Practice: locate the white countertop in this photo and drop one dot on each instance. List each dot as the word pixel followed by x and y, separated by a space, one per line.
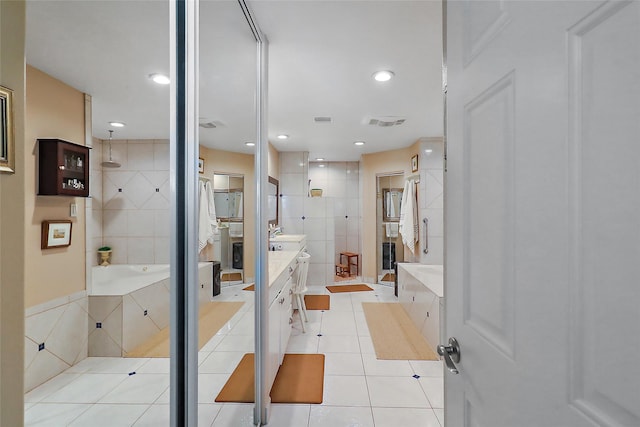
pixel 430 275
pixel 288 238
pixel 278 262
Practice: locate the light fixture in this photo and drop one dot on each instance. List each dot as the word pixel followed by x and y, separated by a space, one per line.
pixel 320 159
pixel 282 136
pixel 383 75
pixel 117 124
pixel 428 151
pixel 359 143
pixel 321 165
pixel 161 79
pixel 250 144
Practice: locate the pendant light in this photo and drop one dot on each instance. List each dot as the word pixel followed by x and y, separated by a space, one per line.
pixel 110 163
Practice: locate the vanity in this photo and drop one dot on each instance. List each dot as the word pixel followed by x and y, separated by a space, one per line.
pixel 420 291
pixel 288 242
pixel 282 277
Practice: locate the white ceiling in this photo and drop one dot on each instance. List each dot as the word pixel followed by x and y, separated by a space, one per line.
pixel 322 55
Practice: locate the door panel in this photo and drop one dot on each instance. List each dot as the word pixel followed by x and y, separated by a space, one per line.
pixel 543 213
pixel 605 195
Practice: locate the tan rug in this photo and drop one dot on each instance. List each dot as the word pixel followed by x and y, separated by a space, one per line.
pixel 394 335
pixel 212 317
pixel 230 277
pixel 251 287
pixel 300 379
pixel 317 302
pixel 349 288
pixel 389 277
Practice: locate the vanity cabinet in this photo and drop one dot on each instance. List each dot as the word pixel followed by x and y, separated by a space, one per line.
pixel 281 314
pixel 63 168
pixel 420 294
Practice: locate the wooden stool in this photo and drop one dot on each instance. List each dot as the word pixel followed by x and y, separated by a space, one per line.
pixel 342 270
pixel 350 263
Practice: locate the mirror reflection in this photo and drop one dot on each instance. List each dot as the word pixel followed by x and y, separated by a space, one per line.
pixel 392 201
pixel 272 200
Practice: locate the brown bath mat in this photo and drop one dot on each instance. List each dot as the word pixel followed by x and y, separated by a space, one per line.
pixel 349 288
pixel 300 379
pixel 251 287
pixel 394 335
pixel 231 277
pixel 389 277
pixel 317 302
pixel 212 317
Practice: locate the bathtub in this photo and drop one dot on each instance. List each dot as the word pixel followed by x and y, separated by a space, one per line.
pixel 129 304
pixel 122 279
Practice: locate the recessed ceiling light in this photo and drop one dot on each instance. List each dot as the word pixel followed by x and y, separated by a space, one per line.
pixel 428 151
pixel 321 166
pixel 282 136
pixel 383 76
pixel 160 78
pixel 320 159
pixel 117 124
pixel 250 144
pixel 359 143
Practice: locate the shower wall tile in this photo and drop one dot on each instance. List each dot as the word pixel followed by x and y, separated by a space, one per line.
pixel 431 198
pixel 135 202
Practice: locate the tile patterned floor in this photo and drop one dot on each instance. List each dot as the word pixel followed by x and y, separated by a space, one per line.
pixel 359 389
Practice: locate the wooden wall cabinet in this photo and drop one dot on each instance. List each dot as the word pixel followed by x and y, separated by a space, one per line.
pixel 63 168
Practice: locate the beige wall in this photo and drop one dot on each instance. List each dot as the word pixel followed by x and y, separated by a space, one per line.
pixel 274 162
pixel 12 214
pixel 53 110
pixel 371 165
pixel 217 161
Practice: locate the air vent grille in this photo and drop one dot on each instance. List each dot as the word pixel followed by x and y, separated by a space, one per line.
pixel 322 119
pixel 210 124
pixel 386 122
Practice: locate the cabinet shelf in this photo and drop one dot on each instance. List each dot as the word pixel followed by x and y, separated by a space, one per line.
pixel 63 168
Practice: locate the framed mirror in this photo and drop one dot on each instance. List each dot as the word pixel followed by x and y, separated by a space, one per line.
pixel 391 204
pixel 273 200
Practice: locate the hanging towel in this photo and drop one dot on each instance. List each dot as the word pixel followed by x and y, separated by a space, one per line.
pixel 392 229
pixel 211 210
pixel 409 216
pixel 204 223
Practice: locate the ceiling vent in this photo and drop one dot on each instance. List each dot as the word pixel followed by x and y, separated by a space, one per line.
pixel 386 121
pixel 322 119
pixel 210 124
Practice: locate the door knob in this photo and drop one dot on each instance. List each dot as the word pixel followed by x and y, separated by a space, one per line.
pixel 451 354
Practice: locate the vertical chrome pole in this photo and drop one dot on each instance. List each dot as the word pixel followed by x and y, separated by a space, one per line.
pixel 184 208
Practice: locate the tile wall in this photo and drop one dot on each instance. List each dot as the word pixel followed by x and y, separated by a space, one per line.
pixel 135 202
pixel 340 181
pixel 55 337
pixel 331 222
pixel 431 199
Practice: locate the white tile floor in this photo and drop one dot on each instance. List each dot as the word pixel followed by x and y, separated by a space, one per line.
pixel 359 390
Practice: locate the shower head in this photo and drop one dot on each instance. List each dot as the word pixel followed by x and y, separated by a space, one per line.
pixel 110 163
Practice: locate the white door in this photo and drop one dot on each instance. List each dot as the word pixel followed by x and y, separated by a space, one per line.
pixel 543 213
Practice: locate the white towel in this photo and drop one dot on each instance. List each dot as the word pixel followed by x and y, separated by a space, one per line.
pixel 204 223
pixel 211 211
pixel 392 229
pixel 409 216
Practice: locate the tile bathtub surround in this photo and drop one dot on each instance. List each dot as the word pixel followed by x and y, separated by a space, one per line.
pixel 135 202
pixel 117 324
pixel 359 389
pixel 55 338
pixel 431 199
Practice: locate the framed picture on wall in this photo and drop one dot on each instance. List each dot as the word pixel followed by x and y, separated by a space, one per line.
pixel 200 165
pixel 55 234
pixel 7 159
pixel 414 163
